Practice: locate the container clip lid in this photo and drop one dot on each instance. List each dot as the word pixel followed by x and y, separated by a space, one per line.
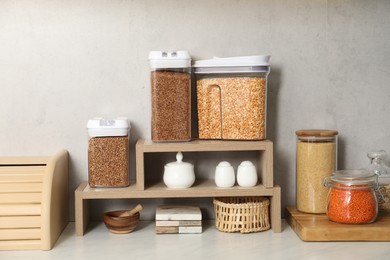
pixel 99 127
pixel 243 64
pixel 173 59
pixel 257 60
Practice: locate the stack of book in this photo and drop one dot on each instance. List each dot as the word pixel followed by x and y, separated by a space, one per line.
pixel 178 220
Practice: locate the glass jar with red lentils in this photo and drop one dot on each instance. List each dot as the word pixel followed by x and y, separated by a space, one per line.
pixel 352 196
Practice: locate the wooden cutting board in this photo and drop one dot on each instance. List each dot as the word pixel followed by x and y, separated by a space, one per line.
pixel 317 227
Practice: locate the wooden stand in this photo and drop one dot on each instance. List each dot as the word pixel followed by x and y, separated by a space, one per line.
pixel 201 188
pixel 33 201
pixel 317 227
pixel 264 148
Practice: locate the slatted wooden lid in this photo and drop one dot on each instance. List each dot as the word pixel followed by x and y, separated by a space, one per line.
pixel 317 132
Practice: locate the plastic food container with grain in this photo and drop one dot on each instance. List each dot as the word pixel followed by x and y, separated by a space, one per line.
pixel 232 97
pixel 170 80
pixel 108 152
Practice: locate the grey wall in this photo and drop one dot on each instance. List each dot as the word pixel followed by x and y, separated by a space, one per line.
pixel 63 62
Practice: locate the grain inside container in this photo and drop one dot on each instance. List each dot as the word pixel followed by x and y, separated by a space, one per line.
pixel 232 97
pixel 171 96
pixel 316 158
pixel 108 152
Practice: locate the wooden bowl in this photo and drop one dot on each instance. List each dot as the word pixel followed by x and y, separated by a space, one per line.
pixel 120 224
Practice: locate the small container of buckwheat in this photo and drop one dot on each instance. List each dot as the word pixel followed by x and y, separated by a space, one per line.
pixel 108 152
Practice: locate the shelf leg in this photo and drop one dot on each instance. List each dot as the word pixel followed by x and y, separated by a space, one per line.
pixel 139 163
pixel 276 211
pixel 81 210
pixel 266 160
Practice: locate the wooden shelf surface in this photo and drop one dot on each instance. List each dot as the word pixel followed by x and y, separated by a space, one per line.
pixel 202 188
pixel 149 146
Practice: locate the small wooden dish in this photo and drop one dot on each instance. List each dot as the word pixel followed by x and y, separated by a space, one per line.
pixel 120 224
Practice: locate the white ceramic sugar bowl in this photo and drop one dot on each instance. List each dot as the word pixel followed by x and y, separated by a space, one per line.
pixel 179 174
pixel 247 174
pixel 224 175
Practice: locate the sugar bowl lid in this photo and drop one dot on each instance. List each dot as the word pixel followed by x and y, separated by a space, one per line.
pixel 179 162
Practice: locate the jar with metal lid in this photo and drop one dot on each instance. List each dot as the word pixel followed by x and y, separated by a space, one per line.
pixel 352 196
pixel 171 95
pixel 316 158
pixel 108 152
pixel 378 167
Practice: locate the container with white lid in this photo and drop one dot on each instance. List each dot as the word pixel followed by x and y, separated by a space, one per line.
pixel 171 95
pixel 231 95
pixel 108 152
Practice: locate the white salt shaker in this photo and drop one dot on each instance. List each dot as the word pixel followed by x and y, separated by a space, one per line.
pixel 224 175
pixel 246 174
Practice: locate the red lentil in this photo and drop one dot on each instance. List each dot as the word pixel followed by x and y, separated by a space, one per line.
pixel 352 204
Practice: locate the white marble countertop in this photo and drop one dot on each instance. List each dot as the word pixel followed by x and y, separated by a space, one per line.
pixel 143 243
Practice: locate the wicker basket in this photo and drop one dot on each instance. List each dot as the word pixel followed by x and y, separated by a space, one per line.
pixel 241 214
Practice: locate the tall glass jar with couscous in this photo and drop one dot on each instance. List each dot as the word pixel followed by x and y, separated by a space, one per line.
pixel 316 158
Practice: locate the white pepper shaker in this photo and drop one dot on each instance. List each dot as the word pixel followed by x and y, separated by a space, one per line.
pixel 224 175
pixel 247 174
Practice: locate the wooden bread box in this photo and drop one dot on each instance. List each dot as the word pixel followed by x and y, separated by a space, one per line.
pixel 34 207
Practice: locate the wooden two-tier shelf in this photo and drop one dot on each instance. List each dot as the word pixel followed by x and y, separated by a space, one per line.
pixel 142 188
